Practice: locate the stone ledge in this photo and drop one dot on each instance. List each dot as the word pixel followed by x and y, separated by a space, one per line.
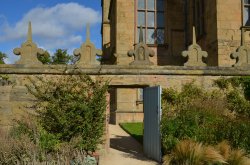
pixel 127 111
pixel 124 70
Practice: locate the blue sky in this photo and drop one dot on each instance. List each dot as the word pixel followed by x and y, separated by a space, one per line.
pixel 55 24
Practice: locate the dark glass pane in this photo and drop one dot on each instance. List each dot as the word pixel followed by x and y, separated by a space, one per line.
pixel 150 36
pixel 160 20
pixel 138 33
pixel 151 19
pixel 151 4
pixel 141 18
pixel 160 5
pixel 160 36
pixel 246 19
pixel 247 1
pixel 141 4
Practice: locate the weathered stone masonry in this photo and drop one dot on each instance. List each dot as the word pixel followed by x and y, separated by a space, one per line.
pixel 130 65
pixel 14 98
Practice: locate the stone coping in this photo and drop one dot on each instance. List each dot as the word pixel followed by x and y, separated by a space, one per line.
pixel 124 70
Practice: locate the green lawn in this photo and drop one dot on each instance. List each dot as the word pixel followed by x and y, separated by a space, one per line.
pixel 134 129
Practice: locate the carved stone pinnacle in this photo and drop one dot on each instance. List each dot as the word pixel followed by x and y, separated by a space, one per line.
pixel 194 53
pixel 242 54
pixel 87 51
pixel 28 51
pixel 141 52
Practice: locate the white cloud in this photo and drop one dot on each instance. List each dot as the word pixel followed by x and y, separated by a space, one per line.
pixel 55 25
pixel 11 57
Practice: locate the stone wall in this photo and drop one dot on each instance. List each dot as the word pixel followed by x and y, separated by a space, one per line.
pixel 229 17
pixel 124 30
pixel 124 82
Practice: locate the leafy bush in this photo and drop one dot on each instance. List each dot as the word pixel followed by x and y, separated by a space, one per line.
pixel 205 116
pixel 71 107
pixel 67 126
pixel 237 91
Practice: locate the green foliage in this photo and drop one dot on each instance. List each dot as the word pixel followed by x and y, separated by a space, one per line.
pixel 68 125
pixel 4 77
pixel 45 58
pixel 6 80
pixel 30 128
pixel 19 148
pixel 222 83
pixel 2 57
pixel 238 103
pixel 235 83
pixel 170 95
pixel 61 57
pixel 134 129
pixel 47 141
pixel 237 92
pixel 205 116
pixel 71 107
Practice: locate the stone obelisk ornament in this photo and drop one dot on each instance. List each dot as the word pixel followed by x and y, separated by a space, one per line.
pixel 242 54
pixel 28 51
pixel 141 53
pixel 87 52
pixel 194 53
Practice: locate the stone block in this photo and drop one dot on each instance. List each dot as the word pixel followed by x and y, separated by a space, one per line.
pixel 20 93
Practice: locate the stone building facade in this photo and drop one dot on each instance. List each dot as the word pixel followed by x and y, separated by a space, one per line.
pixel 218 25
pixel 158 49
pixel 145 43
pixel 221 27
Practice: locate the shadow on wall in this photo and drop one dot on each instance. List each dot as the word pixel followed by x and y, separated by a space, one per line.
pixel 166 57
pixel 108 54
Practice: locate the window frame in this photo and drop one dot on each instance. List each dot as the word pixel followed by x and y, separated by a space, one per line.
pixel 145 28
pixel 139 93
pixel 243 5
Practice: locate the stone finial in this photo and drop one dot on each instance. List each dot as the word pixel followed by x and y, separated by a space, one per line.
pixel 141 52
pixel 194 53
pixel 29 51
pixel 87 52
pixel 242 54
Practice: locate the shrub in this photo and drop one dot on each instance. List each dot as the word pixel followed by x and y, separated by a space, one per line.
pixel 205 116
pixel 71 107
pixel 237 91
pixel 67 126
